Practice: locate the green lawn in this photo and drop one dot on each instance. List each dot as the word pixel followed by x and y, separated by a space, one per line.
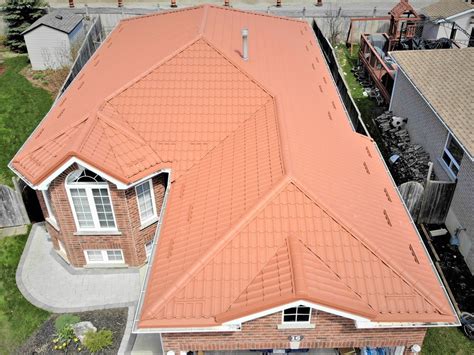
pixel 443 341
pixel 18 317
pixel 22 106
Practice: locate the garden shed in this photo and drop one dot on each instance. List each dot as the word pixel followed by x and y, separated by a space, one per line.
pixel 51 39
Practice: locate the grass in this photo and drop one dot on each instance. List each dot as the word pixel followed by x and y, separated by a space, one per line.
pixel 18 318
pixel 22 106
pixel 367 107
pixel 442 341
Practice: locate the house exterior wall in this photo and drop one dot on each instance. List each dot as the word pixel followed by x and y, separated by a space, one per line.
pixel 132 237
pixel 434 31
pixel 48 48
pixel 427 130
pixel 330 331
pixel 423 125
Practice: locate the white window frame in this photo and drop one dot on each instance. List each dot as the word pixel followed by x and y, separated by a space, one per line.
pixel 88 187
pixel 450 156
pixel 296 316
pixel 147 246
pixel 152 193
pixel 105 258
pixel 51 217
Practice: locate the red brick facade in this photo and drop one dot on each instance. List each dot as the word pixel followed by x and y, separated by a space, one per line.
pixel 330 331
pixel 132 238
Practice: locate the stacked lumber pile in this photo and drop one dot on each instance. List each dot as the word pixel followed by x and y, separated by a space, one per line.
pixel 408 160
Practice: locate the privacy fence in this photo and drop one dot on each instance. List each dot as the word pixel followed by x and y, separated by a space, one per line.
pixel 13 216
pixel 351 108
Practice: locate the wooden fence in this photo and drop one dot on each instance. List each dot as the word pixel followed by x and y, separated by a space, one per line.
pixel 13 216
pixel 350 106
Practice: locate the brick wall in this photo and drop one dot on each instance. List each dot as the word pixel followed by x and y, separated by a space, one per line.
pixel 132 238
pixel 330 332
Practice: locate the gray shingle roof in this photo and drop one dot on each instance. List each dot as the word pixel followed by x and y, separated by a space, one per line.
pixel 446 8
pixel 446 80
pixel 61 20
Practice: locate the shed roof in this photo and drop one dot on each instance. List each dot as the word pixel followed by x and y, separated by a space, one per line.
pixel 445 78
pixel 61 20
pixel 446 8
pixel 274 197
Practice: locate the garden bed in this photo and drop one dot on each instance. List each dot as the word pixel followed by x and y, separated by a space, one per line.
pixel 41 342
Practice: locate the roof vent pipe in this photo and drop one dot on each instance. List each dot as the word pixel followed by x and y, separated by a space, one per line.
pixel 245 44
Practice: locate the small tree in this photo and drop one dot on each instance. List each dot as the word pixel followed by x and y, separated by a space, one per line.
pixel 19 15
pixel 333 23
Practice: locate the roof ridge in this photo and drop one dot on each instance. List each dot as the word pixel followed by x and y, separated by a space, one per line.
pixel 297 269
pixel 256 13
pixel 221 243
pixel 117 159
pixel 312 252
pixel 162 12
pixel 418 287
pixel 140 76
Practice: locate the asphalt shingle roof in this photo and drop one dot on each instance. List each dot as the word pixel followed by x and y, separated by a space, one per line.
pixel 446 8
pixel 446 80
pixel 61 20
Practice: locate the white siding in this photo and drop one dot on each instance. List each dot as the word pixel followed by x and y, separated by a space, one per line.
pixel 47 48
pixel 432 31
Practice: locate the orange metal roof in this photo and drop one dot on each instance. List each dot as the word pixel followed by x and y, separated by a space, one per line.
pixel 274 197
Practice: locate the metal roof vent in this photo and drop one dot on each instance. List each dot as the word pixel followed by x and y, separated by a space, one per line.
pixel 245 44
pixel 59 17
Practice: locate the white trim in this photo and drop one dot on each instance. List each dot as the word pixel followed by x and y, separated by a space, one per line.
pixel 88 187
pixel 148 249
pixel 295 304
pixel 51 217
pixel 105 257
pixel 373 325
pixel 432 108
pixel 451 157
pixel 148 221
pixel 465 12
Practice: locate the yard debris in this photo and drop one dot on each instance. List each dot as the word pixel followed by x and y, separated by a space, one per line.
pixel 410 161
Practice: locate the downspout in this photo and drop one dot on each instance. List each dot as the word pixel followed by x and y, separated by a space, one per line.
pixel 152 258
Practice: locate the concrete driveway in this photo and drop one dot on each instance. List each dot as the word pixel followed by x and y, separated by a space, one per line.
pixel 49 283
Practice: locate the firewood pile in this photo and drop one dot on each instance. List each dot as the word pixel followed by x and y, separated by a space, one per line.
pixel 408 161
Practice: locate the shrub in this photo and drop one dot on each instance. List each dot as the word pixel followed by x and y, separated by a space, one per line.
pixel 65 320
pixel 98 341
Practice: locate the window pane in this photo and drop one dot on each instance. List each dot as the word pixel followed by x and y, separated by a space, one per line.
pixel 304 310
pixel 289 318
pixel 145 201
pixel 290 310
pixel 82 208
pixel 94 255
pixel 455 149
pixel 114 255
pixel 302 318
pixel 103 207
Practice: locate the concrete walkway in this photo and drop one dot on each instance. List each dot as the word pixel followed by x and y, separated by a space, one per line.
pixel 49 283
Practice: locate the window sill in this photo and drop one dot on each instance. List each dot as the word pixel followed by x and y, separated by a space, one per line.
pixel 62 255
pixel 296 326
pixel 149 223
pixel 106 266
pixel 52 223
pixel 98 232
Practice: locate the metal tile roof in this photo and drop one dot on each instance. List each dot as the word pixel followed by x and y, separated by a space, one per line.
pixel 446 80
pixel 270 185
pixel 61 20
pixel 446 8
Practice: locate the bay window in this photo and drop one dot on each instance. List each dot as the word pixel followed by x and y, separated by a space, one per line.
pixel 146 202
pixel 90 201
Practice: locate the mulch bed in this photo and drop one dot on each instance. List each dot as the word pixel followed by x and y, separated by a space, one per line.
pixel 112 319
pixel 458 275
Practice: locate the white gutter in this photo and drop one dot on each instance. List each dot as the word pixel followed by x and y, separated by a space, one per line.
pixel 135 329
pixel 432 108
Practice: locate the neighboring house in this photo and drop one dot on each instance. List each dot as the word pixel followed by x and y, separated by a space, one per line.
pixel 51 39
pixel 270 223
pixel 452 19
pixel 433 89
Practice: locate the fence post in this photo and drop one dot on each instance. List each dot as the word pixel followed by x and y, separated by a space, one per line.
pixel 226 3
pixel 319 3
pixel 278 3
pixel 173 3
pixel 119 3
pixel 71 4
